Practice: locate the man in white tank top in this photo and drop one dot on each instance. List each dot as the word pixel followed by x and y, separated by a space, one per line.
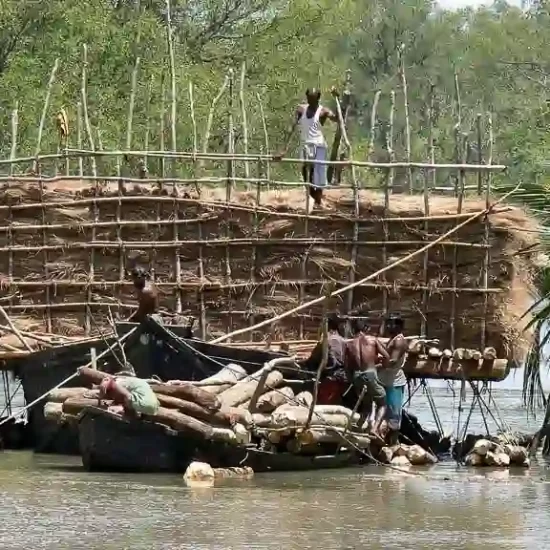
pixel 311 118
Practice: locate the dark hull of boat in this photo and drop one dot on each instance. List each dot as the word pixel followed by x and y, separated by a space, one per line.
pixel 111 443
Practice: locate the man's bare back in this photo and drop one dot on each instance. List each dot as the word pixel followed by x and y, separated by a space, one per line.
pixel 146 294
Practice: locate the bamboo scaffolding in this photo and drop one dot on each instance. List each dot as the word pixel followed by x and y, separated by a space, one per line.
pixel 76 153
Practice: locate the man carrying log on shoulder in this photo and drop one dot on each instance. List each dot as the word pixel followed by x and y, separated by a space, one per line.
pixel 362 361
pixel 146 293
pixel 311 117
pixel 392 375
pixel 334 379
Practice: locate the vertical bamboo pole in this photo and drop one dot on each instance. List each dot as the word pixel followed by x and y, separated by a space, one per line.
pixel 460 197
pixel 173 103
pixel 161 168
pixel 388 189
pixel 193 119
pixel 403 76
pixel 67 146
pixel 84 97
pixel 229 184
pixel 38 170
pixel 266 139
pixel 148 125
pixel 90 137
pixel 487 258
pixel 430 148
pixel 479 154
pixel 13 156
pixel 244 122
pixel 79 138
pixel 254 263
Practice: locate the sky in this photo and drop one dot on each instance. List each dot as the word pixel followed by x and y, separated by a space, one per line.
pixel 455 4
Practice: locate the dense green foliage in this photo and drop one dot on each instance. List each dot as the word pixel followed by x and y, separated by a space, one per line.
pixel 498 54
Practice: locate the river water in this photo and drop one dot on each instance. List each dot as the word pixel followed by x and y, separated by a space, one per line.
pixel 48 502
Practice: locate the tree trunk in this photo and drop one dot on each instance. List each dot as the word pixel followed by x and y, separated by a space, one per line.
pixel 275 398
pixel 75 405
pixel 62 394
pixel 223 380
pixel 188 392
pixel 181 422
pixel 298 416
pixel 244 390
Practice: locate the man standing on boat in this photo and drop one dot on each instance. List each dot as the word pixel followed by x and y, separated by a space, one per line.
pixel 311 117
pixel 362 361
pixel 334 380
pixel 392 375
pixel 146 293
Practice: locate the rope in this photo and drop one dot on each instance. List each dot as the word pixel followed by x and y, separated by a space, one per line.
pixel 68 379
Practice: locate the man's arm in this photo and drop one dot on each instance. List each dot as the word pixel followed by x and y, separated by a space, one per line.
pixel 327 113
pixel 313 361
pixel 381 350
pixel 397 349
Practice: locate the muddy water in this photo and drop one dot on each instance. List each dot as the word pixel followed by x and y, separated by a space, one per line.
pixel 50 503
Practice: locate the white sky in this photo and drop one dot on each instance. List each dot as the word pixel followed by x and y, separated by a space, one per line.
pixel 450 4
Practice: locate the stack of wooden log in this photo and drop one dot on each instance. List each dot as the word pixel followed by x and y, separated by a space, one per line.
pixel 233 407
pixel 497 454
pixel 406 455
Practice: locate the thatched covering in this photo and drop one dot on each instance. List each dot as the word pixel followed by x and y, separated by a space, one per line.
pixel 279 257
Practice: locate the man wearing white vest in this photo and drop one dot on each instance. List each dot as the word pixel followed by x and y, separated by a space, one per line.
pixel 311 118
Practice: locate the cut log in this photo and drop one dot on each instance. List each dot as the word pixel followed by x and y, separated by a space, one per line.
pixel 199 474
pixel 269 401
pixel 385 455
pixel 261 420
pixel 223 380
pixel 234 473
pixel 434 353
pixel 400 461
pixel 415 347
pixel 61 394
pixel 517 454
pixel 53 411
pixel 226 435
pixel 489 354
pixel 188 392
pixel 474 459
pixel 91 376
pixel 76 405
pixel 419 457
pixel 313 436
pixel 483 446
pixel 222 417
pixel 182 422
pixel 242 434
pixel 336 409
pixel 244 390
pixel 304 398
pixel 289 417
pixel 498 459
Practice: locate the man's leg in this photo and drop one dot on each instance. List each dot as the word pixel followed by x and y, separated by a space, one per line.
pixel 394 399
pixel 379 397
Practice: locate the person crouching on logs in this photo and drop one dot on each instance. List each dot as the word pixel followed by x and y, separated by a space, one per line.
pixel 134 394
pixel 362 361
pixel 146 293
pixel 334 379
pixel 392 375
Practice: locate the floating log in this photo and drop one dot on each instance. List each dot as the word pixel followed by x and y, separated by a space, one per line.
pixel 244 390
pixel 496 371
pixel 518 455
pixel 418 456
pixel 400 462
pixel 474 459
pixel 499 459
pixel 181 422
pixel 223 380
pixel 199 474
pixel 235 472
pixel 269 401
pixel 385 455
pixel 188 392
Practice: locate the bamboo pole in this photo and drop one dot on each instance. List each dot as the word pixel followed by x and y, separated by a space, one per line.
pixel 479 153
pixel 210 119
pixel 79 139
pixel 388 189
pixel 13 153
pixel 150 89
pixel 173 91
pixel 84 99
pixel 75 153
pixel 193 119
pixel 244 119
pixel 45 112
pixel 487 257
pixel 14 329
pixel 266 137
pixel 403 77
pixel 228 188
pixel 424 319
pixel 320 299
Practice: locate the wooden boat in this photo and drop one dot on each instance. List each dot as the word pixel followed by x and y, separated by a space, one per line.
pixel 109 442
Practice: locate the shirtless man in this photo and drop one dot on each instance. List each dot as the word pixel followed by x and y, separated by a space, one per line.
pixel 146 293
pixel 311 117
pixel 361 359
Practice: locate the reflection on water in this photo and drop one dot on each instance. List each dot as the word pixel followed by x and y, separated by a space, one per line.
pixel 49 502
